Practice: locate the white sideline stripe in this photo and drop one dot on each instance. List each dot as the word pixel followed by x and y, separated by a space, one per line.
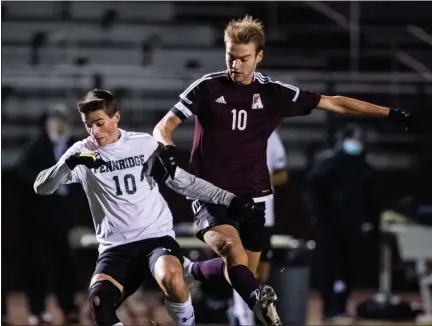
pixel 277 241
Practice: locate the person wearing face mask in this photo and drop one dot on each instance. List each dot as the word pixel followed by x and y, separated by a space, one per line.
pixel 338 188
pixel 46 248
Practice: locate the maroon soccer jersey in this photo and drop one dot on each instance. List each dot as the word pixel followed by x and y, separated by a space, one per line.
pixel 232 125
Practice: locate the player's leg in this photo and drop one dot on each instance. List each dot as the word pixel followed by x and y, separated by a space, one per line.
pixel 225 241
pixel 165 263
pixel 221 235
pixel 255 238
pixel 104 295
pixel 254 258
pixel 107 285
pixel 244 315
pixel 263 271
pixel 261 264
pixel 264 264
pixel 218 231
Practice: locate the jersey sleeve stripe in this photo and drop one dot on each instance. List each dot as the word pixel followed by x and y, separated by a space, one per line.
pixel 183 95
pixel 178 113
pixel 183 109
pixel 294 88
pixel 264 80
pixel 184 98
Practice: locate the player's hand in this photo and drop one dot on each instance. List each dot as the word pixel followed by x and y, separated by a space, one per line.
pixel 416 119
pixel 168 158
pixel 242 207
pixel 161 165
pixel 155 169
pixel 92 161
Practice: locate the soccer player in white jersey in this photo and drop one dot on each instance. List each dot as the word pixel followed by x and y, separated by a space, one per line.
pixel 277 166
pixel 133 223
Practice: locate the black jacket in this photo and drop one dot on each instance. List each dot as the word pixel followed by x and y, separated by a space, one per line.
pixel 339 187
pixel 38 155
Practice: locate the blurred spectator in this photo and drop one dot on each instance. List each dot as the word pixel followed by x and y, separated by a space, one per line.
pixel 338 187
pixel 38 40
pixel 108 18
pixel 47 221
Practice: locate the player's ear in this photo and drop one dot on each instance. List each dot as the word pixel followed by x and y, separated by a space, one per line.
pixel 116 116
pixel 259 56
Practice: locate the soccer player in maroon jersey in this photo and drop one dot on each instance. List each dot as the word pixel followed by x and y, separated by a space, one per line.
pixel 235 112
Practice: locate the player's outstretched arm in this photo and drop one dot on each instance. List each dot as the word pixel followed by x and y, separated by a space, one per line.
pixel 163 169
pixel 49 180
pixel 347 105
pixel 188 185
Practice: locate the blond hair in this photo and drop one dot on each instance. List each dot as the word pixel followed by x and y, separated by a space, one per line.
pixel 245 30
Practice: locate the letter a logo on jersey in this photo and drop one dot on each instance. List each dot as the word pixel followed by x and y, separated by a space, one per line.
pixel 256 102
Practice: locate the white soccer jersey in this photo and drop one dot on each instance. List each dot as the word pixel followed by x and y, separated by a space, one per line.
pixel 124 209
pixel 276 160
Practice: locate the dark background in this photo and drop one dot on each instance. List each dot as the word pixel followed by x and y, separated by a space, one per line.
pixel 374 51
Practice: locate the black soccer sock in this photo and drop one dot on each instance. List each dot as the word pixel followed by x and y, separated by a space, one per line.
pixel 208 269
pixel 244 282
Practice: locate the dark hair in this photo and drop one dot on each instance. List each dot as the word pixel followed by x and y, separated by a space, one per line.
pixel 351 130
pixel 98 99
pixel 59 111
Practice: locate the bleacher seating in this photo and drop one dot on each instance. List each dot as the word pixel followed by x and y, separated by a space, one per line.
pixel 89 10
pixel 148 52
pixel 69 31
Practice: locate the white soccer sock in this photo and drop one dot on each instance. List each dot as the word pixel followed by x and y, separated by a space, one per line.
pixel 189 269
pixel 245 316
pixel 182 314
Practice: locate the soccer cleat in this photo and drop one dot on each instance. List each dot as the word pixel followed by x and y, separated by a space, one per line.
pixel 187 270
pixel 265 307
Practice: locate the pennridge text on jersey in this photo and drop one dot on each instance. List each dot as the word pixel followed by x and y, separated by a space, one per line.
pixel 122 164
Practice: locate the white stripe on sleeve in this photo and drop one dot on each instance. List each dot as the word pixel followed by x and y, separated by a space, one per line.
pixel 183 109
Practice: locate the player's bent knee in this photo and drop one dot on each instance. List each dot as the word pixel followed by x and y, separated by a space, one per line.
pixel 231 248
pixel 226 247
pixel 168 271
pixel 103 299
pixel 233 252
pixel 172 279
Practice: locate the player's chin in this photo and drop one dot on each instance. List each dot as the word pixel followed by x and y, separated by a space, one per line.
pixel 101 141
pixel 238 78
